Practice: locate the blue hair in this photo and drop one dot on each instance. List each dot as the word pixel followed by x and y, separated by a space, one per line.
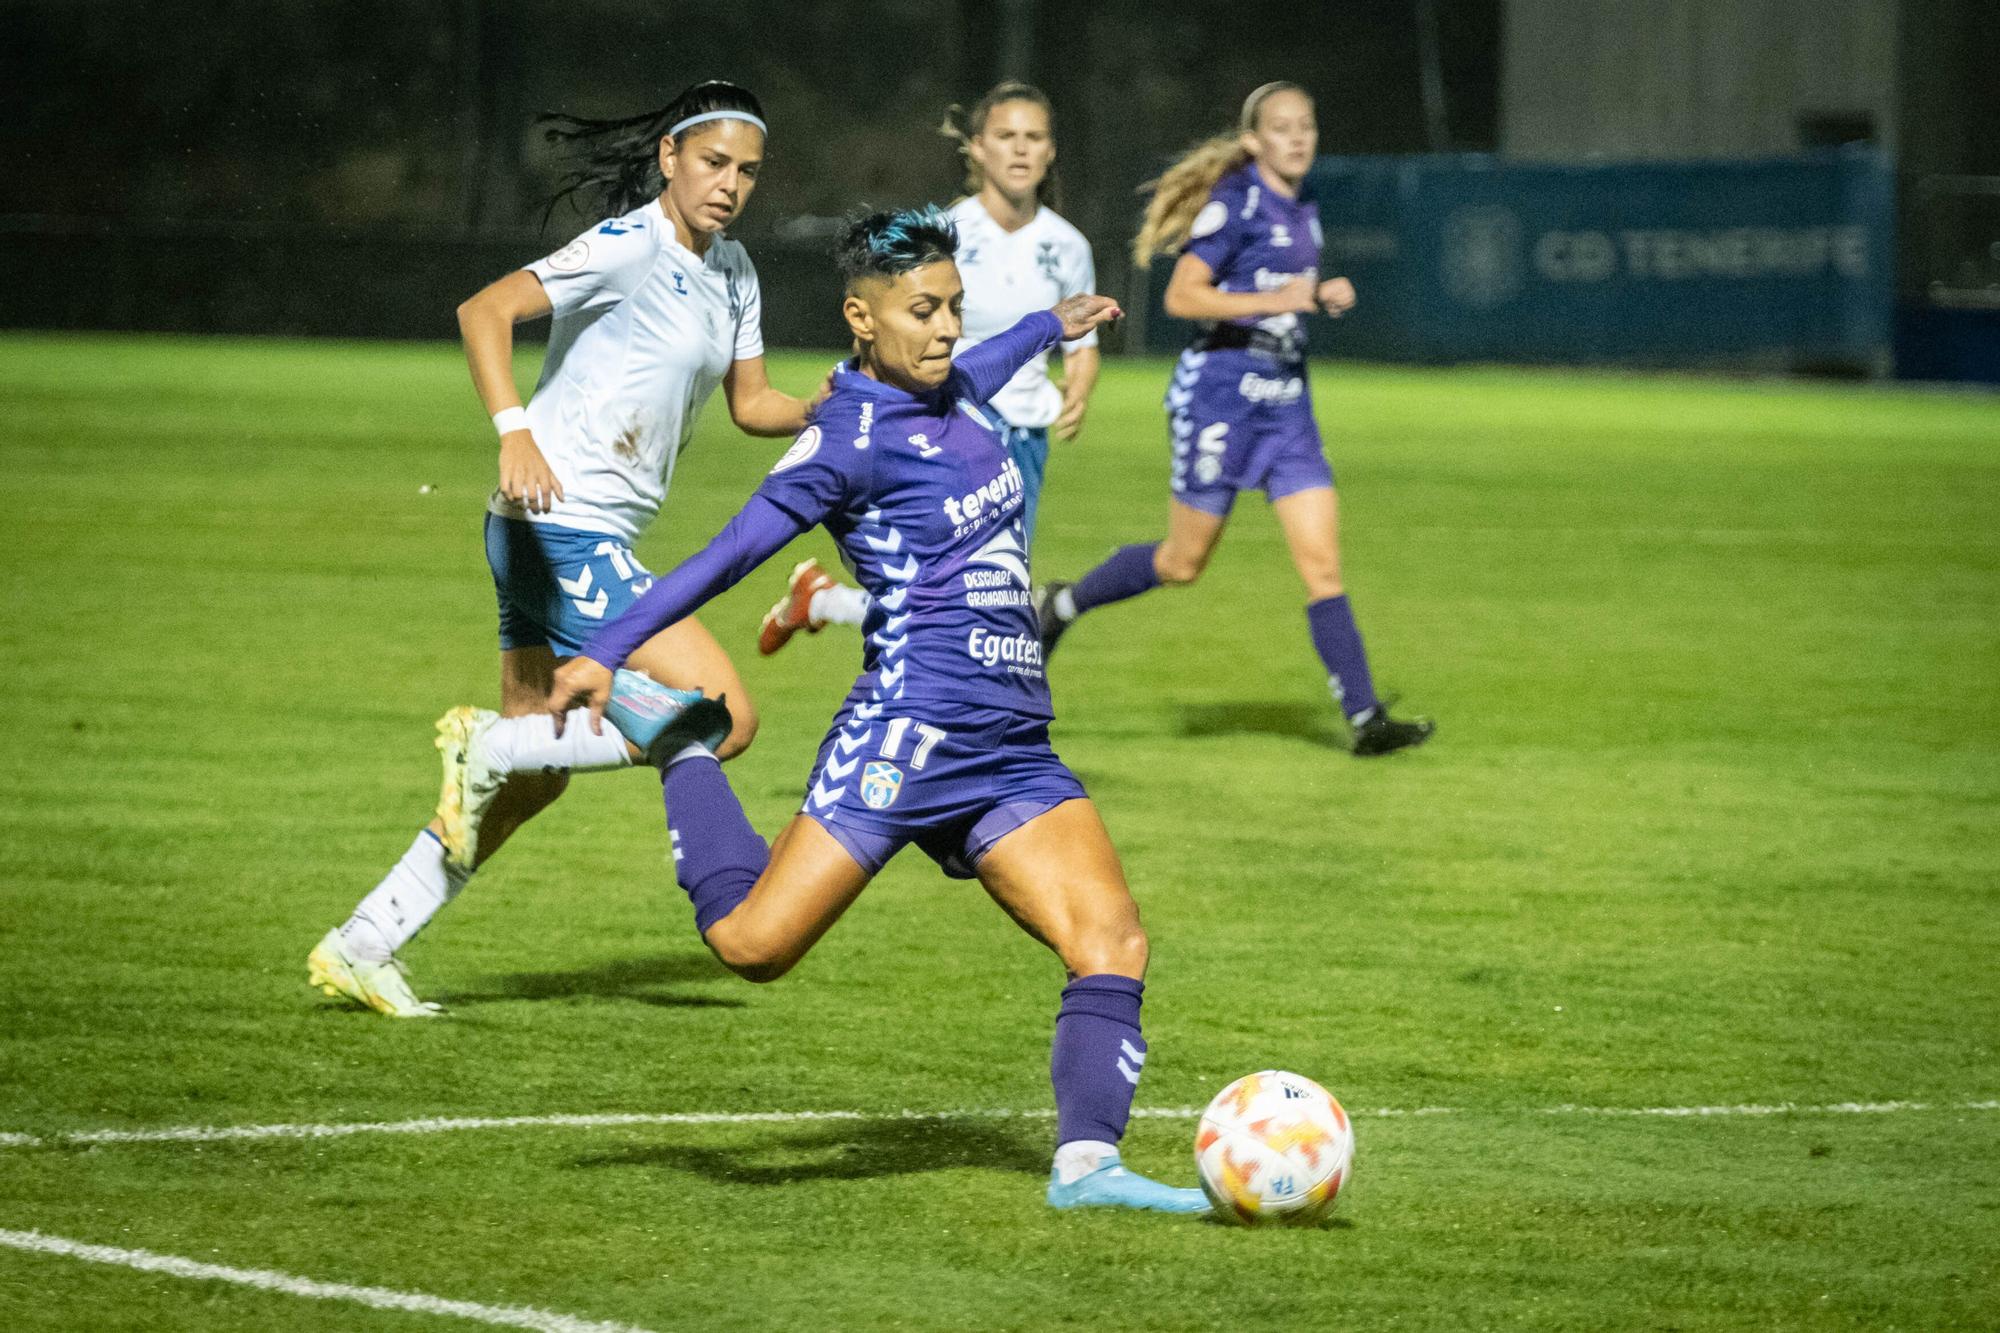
pixel 886 244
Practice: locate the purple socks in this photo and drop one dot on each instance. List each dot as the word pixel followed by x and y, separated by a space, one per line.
pixel 1338 642
pixel 1126 573
pixel 1097 1057
pixel 717 855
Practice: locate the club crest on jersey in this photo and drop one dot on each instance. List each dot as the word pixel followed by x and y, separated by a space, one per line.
pixel 1045 260
pixel 924 445
pixel 1281 235
pixel 680 282
pixel 1003 578
pixel 804 447
pixel 1005 553
pixel 880 785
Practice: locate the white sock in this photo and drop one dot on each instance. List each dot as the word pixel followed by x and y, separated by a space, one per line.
pixel 1079 1157
pixel 529 744
pixel 408 896
pixel 1065 606
pixel 696 750
pixel 840 605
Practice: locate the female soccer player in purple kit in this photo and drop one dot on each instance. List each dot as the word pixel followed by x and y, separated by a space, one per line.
pixel 944 740
pixel 1239 408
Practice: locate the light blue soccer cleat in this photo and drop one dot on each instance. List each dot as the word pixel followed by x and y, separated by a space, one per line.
pixel 661 721
pixel 1112 1186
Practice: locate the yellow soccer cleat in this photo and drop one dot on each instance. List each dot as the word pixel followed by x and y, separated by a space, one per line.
pixel 470 781
pixel 383 987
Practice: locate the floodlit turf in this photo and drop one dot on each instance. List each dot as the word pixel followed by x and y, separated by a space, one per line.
pixel 1713 819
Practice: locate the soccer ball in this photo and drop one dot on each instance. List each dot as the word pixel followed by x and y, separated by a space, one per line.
pixel 1273 1147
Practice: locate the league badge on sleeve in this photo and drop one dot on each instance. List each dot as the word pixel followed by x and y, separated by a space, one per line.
pixel 804 447
pixel 880 784
pixel 1209 221
pixel 570 258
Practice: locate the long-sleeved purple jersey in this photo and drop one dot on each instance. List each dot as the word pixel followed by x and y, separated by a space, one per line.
pixel 922 497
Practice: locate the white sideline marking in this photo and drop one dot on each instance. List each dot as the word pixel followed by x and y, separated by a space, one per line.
pixel 1780 1108
pixel 452 1124
pixel 382 1298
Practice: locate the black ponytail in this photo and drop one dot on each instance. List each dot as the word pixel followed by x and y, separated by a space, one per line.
pixel 618 161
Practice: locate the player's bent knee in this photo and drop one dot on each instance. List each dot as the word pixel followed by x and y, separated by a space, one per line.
pixel 742 730
pixel 1121 952
pixel 1320 586
pixel 753 957
pixel 1179 570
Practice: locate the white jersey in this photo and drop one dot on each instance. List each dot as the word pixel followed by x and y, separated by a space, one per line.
pixel 644 330
pixel 1009 274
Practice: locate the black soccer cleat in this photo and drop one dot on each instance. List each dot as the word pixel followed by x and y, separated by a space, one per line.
pixel 1053 626
pixel 1382 734
pixel 707 722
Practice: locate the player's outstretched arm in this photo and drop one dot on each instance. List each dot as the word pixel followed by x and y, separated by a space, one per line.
pixel 985 370
pixel 1084 312
pixel 757 533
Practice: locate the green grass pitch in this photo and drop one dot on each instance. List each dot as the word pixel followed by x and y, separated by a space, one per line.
pixel 1712 820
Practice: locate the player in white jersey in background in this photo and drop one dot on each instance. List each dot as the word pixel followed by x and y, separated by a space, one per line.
pixel 1016 255
pixel 653 308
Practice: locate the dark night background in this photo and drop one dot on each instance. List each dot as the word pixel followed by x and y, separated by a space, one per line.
pixel 356 168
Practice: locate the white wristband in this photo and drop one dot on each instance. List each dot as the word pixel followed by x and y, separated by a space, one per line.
pixel 510 419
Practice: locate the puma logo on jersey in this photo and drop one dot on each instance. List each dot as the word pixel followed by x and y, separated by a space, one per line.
pixel 924 445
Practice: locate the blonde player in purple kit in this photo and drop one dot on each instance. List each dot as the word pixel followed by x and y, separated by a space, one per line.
pixel 944 740
pixel 1239 407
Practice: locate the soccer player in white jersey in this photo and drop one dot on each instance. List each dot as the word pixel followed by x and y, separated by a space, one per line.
pixel 1016 255
pixel 653 308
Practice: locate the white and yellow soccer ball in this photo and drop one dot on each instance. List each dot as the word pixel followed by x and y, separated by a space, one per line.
pixel 1274 1147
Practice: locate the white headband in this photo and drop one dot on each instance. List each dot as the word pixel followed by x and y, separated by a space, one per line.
pixel 707 116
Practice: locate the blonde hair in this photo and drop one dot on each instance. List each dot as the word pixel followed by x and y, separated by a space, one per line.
pixel 962 127
pixel 1179 192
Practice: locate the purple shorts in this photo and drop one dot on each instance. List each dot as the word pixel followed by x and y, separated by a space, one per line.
pixel 954 780
pixel 1242 421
